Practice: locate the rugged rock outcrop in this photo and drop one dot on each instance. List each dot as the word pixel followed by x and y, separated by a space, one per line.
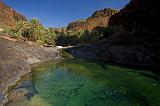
pixel 99 18
pixel 16 59
pixel 140 19
pixel 9 16
pixel 138 45
pixel 139 15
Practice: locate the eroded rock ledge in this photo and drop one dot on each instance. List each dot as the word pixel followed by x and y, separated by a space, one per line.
pixel 16 59
pixel 124 49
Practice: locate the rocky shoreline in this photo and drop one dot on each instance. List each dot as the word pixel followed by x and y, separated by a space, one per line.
pixel 114 51
pixel 16 59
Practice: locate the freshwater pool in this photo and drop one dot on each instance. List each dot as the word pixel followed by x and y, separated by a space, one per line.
pixel 78 82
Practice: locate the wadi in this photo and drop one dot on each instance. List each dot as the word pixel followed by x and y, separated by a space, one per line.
pixel 109 58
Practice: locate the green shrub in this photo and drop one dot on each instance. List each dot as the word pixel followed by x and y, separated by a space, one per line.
pixel 48 37
pixel 34 31
pixel 14 33
pixel 79 37
pixel 68 38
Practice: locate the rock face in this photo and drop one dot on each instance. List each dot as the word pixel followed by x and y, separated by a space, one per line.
pixel 99 18
pixel 139 15
pixel 9 16
pixel 138 45
pixel 16 59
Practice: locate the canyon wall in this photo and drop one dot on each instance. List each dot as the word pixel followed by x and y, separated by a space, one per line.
pixel 139 15
pixel 98 18
pixel 9 16
pixel 139 44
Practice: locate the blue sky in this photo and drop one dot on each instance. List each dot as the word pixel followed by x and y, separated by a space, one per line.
pixel 59 13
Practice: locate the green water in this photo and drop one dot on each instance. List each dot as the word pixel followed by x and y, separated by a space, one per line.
pixel 77 82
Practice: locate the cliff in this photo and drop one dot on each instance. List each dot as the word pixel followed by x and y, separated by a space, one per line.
pixel 141 39
pixel 139 15
pixel 98 18
pixel 138 45
pixel 9 16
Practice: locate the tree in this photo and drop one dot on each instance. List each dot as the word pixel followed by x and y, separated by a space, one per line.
pixel 36 29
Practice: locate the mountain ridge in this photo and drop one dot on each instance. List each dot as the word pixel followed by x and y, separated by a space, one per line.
pixel 98 18
pixel 10 16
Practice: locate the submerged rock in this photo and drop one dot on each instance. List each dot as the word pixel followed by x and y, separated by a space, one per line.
pixel 2 97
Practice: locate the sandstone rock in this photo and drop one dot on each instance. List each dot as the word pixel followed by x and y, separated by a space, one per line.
pixel 99 18
pixel 9 16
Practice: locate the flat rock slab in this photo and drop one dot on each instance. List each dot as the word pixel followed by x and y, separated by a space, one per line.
pixel 16 59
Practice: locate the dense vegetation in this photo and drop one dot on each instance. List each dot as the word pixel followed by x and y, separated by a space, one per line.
pixel 77 37
pixel 34 31
pixel 4 28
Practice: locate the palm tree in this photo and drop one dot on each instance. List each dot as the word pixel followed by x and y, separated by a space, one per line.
pixel 36 29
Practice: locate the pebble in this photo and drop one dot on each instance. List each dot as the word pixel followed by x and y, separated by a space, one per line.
pixel 2 97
